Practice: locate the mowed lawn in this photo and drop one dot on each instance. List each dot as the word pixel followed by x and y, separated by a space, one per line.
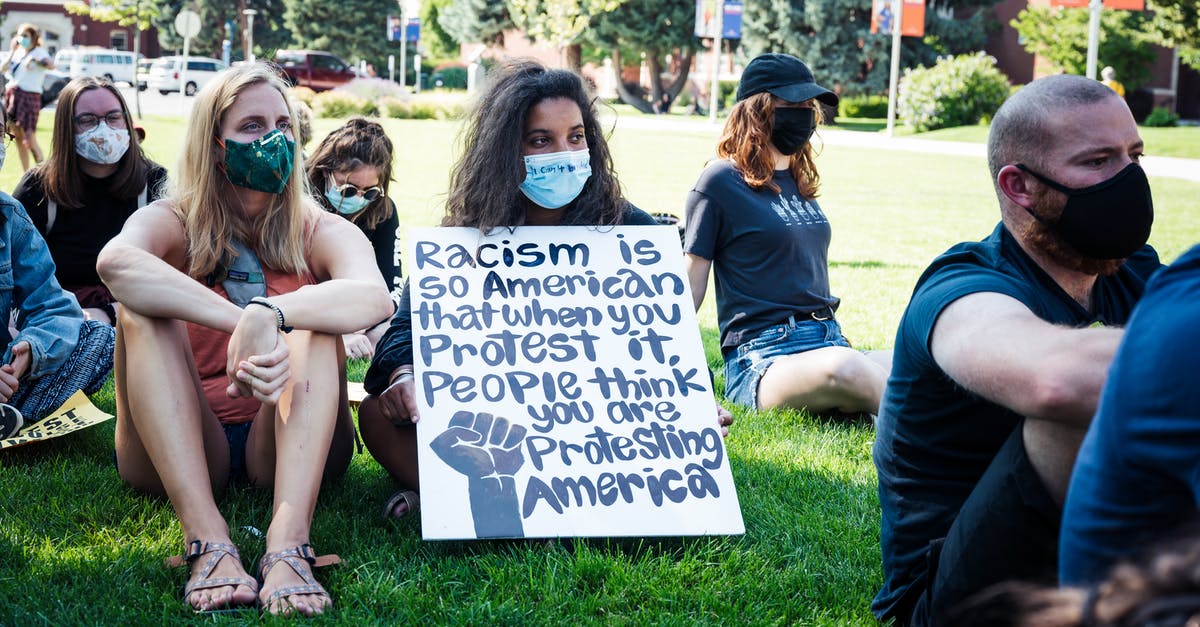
pixel 77 547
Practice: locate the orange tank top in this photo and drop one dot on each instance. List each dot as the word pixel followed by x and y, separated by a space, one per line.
pixel 210 346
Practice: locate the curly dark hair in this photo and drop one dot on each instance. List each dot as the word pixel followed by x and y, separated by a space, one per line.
pixel 484 185
pixel 358 142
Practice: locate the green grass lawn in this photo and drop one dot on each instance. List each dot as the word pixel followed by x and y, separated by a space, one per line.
pixel 1182 141
pixel 77 547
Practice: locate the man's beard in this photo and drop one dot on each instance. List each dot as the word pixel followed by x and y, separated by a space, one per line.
pixel 1043 239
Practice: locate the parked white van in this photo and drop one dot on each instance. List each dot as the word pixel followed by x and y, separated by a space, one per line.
pixel 164 74
pixel 115 65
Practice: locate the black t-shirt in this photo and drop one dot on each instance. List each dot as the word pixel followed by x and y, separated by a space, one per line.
pixel 78 234
pixel 769 250
pixel 934 439
pixel 395 347
pixel 383 242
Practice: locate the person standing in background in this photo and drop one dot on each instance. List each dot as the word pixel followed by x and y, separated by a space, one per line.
pixel 25 68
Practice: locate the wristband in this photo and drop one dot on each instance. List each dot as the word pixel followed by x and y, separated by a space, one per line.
pixel 406 369
pixel 279 321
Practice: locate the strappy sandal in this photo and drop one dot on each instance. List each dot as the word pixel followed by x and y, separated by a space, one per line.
pixel 216 552
pixel 408 497
pixel 292 557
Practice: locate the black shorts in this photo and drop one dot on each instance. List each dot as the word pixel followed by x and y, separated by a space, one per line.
pixel 1006 530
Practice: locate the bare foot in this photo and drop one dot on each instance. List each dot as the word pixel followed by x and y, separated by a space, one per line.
pixel 288 585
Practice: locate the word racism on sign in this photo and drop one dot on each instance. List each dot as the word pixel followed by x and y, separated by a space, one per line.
pixel 75 414
pixel 562 387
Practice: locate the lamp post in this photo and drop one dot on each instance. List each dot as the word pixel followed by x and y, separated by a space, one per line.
pixel 250 13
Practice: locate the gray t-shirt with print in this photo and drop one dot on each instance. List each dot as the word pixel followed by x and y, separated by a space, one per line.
pixel 769 250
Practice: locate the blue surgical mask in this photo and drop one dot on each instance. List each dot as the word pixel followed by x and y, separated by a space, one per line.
pixel 345 206
pixel 26 42
pixel 553 180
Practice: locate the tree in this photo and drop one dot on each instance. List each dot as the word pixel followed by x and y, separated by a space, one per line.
pixel 351 29
pixel 560 23
pixel 1060 35
pixel 470 21
pixel 222 19
pixel 831 36
pixel 1176 23
pixel 437 42
pixel 654 28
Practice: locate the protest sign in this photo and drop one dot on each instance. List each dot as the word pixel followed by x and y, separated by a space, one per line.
pixel 75 414
pixel 562 387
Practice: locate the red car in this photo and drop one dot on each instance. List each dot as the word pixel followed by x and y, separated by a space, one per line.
pixel 314 69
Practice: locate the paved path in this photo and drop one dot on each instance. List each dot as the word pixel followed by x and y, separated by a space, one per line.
pixel 1172 167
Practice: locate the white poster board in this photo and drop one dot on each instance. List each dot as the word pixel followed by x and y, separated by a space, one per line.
pixel 562 387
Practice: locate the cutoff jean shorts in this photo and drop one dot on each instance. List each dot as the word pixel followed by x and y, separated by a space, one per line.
pixel 745 365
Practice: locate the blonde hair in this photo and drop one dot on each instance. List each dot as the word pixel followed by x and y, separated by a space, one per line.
pixel 205 202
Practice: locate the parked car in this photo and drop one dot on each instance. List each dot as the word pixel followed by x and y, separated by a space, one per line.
pixel 164 74
pixel 114 65
pixel 52 83
pixel 143 72
pixel 314 69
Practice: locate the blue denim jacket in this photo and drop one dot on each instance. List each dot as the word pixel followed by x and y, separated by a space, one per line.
pixel 48 316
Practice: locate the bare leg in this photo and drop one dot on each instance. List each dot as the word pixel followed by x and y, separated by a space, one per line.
pixel 287 447
pixel 1052 448
pixel 22 146
pixel 34 148
pixel 395 448
pixel 169 442
pixel 830 378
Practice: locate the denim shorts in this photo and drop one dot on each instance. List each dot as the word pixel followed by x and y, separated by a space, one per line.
pixel 236 435
pixel 745 366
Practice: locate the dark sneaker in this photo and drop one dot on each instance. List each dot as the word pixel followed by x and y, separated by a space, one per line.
pixel 11 421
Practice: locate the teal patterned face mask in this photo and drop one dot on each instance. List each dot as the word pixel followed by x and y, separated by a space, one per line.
pixel 264 164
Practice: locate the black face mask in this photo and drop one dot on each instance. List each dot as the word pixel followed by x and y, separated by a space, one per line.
pixel 793 127
pixel 1108 220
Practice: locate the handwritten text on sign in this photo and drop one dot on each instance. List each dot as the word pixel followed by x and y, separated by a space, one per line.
pixel 562 387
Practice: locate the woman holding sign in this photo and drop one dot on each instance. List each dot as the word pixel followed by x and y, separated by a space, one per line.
pixel 534 155
pixel 753 218
pixel 235 290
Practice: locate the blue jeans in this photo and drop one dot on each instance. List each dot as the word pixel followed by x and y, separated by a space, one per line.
pixel 744 367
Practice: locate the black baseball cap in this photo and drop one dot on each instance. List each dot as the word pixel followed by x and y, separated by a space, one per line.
pixel 782 75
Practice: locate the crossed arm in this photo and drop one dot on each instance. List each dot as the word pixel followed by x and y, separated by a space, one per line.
pixel 996 347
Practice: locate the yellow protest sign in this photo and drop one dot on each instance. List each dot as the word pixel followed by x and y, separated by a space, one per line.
pixel 75 414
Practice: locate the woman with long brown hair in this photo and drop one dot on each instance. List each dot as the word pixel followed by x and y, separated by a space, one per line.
pixel 753 218
pixel 95 178
pixel 235 290
pixel 349 173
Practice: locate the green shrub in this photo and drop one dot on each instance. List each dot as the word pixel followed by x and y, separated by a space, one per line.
pixel 303 94
pixel 863 106
pixel 394 108
pixel 373 88
pixel 452 77
pixel 728 93
pixel 956 91
pixel 338 104
pixel 435 106
pixel 1160 116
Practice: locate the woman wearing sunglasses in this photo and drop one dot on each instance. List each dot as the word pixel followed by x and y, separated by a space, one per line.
pixel 95 178
pixel 349 174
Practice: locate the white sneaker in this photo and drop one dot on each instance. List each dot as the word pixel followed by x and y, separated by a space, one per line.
pixel 11 421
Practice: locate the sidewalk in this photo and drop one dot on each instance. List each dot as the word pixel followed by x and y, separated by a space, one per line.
pixel 1170 167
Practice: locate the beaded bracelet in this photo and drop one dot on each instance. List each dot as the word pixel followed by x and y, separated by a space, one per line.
pixel 279 321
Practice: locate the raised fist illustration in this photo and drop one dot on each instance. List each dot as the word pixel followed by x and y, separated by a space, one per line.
pixel 487 449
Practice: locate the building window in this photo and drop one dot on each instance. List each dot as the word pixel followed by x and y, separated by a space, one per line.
pixel 118 40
